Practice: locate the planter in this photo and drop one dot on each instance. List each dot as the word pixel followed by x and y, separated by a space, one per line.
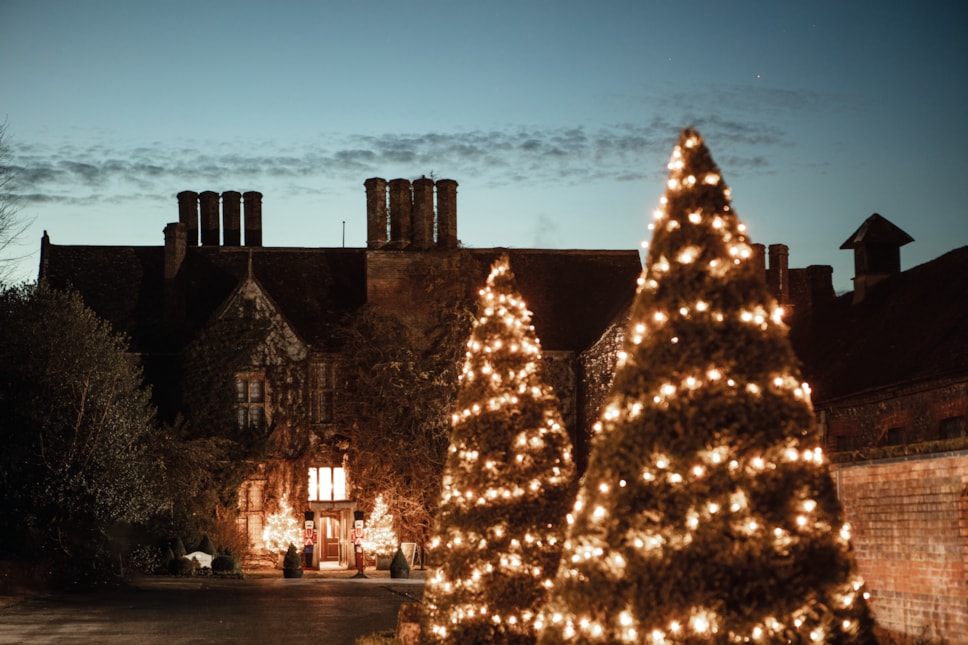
pixel 292 573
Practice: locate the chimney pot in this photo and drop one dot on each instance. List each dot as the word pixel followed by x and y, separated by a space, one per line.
pixel 188 215
pixel 209 204
pixel 253 218
pixel 447 214
pixel 777 277
pixel 231 218
pixel 401 213
pixel 423 213
pixel 376 212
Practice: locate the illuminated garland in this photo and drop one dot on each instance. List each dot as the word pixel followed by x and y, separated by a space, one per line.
pixel 506 484
pixel 707 512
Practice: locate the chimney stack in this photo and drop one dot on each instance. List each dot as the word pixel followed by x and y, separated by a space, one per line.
pixel 777 276
pixel 401 213
pixel 376 212
pixel 423 213
pixel 188 215
pixel 231 218
pixel 175 249
pixel 209 204
pixel 253 218
pixel 447 214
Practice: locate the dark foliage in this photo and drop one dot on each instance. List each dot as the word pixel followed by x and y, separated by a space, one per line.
pixel 78 467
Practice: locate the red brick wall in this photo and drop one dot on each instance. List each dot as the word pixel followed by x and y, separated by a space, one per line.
pixel 909 518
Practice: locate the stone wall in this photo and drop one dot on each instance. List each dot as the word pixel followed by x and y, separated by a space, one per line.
pixel 909 518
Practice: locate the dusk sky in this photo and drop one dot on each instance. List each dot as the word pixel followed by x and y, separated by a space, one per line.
pixel 556 118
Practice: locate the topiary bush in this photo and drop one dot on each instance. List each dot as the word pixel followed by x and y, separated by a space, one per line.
pixel 224 564
pixel 181 567
pixel 206 545
pixel 178 547
pixel 292 563
pixel 399 568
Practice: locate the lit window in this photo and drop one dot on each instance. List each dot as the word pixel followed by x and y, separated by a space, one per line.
pixel 327 484
pixel 250 392
pixel 322 383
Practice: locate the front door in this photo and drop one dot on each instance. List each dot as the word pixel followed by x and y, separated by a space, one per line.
pixel 329 537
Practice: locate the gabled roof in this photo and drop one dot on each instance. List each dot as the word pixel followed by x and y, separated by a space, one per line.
pixel 126 286
pixel 876 230
pixel 573 294
pixel 910 327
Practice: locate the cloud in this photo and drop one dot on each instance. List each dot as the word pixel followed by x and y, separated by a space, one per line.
pixel 621 152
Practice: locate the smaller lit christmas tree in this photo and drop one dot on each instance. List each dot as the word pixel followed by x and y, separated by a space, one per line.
pixel 282 529
pixel 381 540
pixel 506 484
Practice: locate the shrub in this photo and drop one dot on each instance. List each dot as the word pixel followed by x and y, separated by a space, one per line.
pixel 292 559
pixel 178 548
pixel 181 567
pixel 224 564
pixel 148 559
pixel 399 568
pixel 206 545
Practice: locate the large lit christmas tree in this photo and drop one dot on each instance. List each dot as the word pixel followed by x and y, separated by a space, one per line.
pixel 506 483
pixel 707 513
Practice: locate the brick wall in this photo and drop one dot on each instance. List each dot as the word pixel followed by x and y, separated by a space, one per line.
pixel 910 525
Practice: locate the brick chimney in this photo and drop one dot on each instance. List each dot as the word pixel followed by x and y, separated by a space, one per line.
pixel 231 218
pixel 376 212
pixel 759 258
pixel 423 213
pixel 401 213
pixel 253 218
pixel 209 209
pixel 447 214
pixel 175 249
pixel 188 215
pixel 777 276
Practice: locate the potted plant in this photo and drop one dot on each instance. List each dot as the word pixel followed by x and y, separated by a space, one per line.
pixel 292 563
pixel 399 568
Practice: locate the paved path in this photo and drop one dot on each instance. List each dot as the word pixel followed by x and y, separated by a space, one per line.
pixel 324 608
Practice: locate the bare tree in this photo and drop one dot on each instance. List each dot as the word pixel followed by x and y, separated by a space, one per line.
pixel 11 225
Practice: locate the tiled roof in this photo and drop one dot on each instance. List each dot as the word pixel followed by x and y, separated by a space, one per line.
pixel 910 327
pixel 574 295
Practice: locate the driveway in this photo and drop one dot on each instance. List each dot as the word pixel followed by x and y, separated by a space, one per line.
pixel 334 608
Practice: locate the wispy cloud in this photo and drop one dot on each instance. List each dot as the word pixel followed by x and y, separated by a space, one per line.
pixel 75 173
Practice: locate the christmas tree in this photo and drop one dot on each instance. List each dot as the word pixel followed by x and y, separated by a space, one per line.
pixel 506 483
pixel 282 529
pixel 707 513
pixel 380 537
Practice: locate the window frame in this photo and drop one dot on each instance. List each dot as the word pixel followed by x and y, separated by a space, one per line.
pixel 245 403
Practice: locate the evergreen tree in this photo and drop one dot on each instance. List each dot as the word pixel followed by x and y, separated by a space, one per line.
pixel 78 466
pixel 707 512
pixel 282 529
pixel 506 484
pixel 380 536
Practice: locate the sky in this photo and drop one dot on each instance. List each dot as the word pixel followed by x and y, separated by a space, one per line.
pixel 556 119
